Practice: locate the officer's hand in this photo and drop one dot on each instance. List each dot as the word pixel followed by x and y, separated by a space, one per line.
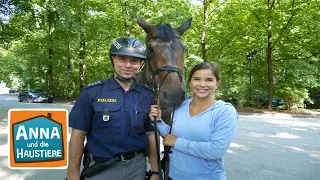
pixel 155 177
pixel 155 111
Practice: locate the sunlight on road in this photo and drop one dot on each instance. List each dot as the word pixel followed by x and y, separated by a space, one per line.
pixel 295 123
pixel 5 172
pixel 285 135
pixel 315 155
pixel 4 150
pixel 229 151
pixel 9 99
pixel 273 116
pixel 4 130
pixel 240 147
pixel 296 149
pixel 10 176
pixel 299 129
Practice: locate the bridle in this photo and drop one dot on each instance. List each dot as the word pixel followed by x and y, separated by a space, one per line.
pixel 169 69
pixel 156 88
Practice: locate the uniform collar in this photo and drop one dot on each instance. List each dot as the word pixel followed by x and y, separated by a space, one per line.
pixel 115 85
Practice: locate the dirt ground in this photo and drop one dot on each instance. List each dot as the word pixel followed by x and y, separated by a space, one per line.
pixel 315 112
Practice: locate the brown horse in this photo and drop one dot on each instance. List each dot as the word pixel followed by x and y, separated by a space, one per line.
pixel 164 72
pixel 164 68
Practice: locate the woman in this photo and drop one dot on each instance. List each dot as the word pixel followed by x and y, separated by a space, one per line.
pixel 202 129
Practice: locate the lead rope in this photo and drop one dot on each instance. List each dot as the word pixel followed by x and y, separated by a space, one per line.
pixel 155 102
pixel 167 151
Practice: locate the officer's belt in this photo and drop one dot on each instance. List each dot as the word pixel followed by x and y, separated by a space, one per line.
pixel 119 157
pixel 97 168
pixel 102 164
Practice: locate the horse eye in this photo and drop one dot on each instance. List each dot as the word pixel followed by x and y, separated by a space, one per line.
pixel 150 49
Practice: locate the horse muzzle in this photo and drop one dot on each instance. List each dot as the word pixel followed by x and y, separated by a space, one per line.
pixel 172 99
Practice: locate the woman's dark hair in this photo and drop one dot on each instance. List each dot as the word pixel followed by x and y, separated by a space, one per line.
pixel 206 65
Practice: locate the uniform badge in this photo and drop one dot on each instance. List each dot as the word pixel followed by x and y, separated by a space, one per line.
pixel 106 117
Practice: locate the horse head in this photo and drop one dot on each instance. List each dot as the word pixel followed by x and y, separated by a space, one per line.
pixel 165 61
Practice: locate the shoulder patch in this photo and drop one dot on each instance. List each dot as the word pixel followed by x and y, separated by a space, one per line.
pixel 94 84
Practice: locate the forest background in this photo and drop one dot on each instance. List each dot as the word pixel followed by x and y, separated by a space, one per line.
pixel 266 49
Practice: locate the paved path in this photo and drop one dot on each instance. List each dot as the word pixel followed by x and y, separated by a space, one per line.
pixel 275 147
pixel 266 147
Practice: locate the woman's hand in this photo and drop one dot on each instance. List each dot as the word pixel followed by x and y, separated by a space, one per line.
pixel 169 140
pixel 155 111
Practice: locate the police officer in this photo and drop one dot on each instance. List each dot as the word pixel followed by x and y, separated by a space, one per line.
pixel 113 116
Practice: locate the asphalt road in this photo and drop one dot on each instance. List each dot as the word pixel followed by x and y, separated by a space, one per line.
pixel 266 147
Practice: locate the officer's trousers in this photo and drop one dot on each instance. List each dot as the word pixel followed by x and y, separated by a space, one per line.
pixel 133 169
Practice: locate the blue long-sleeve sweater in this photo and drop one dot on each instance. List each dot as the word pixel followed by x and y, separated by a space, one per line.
pixel 202 141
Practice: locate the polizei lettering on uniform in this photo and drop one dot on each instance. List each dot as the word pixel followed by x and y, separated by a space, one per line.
pixel 106 100
pixel 37 133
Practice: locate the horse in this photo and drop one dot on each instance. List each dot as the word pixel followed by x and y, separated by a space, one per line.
pixel 164 73
pixel 164 68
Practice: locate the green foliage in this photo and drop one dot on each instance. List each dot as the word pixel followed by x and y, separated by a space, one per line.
pixel 80 33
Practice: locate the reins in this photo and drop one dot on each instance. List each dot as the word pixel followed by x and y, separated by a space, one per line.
pixel 156 89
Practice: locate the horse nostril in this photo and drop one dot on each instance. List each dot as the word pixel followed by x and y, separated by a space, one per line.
pixel 166 98
pixel 173 99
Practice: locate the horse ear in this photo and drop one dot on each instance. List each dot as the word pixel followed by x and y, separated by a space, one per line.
pixel 145 25
pixel 184 27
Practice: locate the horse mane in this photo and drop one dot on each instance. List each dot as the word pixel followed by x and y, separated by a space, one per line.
pixel 165 32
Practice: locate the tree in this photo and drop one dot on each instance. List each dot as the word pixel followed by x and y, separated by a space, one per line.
pixel 63 45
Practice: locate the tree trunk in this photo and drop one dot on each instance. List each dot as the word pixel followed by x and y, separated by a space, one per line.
pixel 203 36
pixel 127 17
pixel 269 58
pixel 82 50
pixel 69 68
pixel 270 74
pixel 51 26
pixel 82 54
pixel 50 70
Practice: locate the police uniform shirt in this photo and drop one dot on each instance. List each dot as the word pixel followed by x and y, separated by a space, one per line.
pixel 116 121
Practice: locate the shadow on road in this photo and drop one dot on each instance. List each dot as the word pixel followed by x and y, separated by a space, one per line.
pixel 284 149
